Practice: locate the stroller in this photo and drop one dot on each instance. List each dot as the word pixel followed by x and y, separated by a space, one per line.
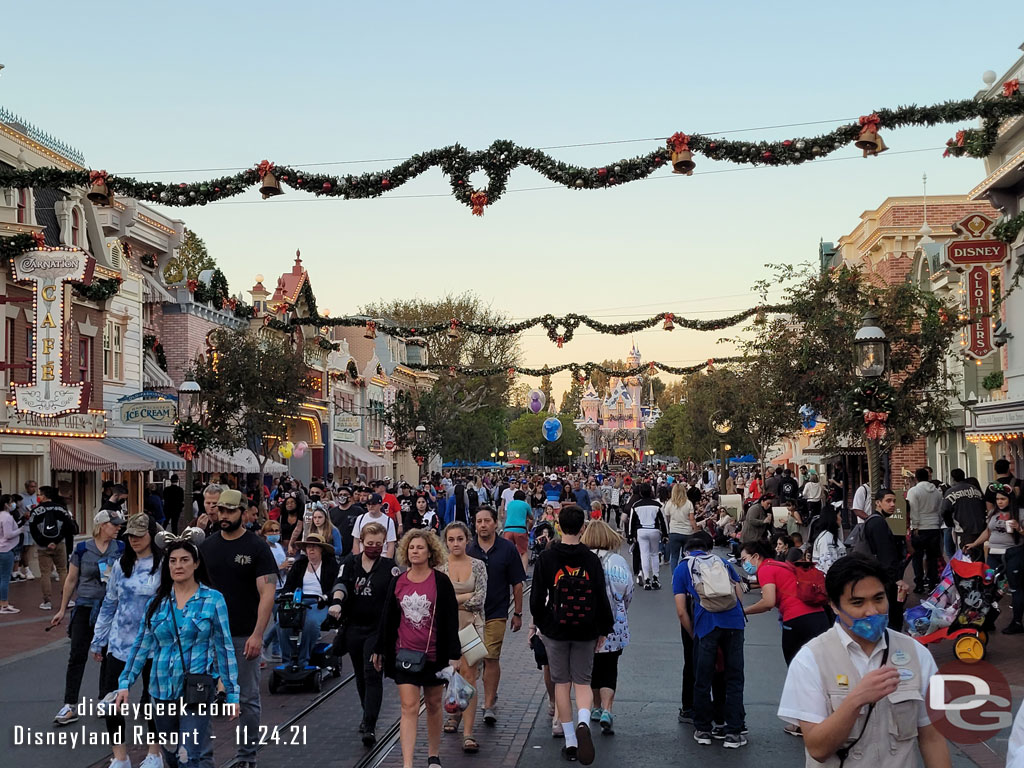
pixel 963 607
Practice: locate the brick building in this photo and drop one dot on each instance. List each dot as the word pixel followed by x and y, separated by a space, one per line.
pixel 902 241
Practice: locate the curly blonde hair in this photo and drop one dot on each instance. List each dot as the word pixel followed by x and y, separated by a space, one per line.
pixel 436 556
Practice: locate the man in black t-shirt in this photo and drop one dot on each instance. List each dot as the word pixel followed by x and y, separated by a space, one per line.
pixel 242 568
pixel 789 488
pixel 344 516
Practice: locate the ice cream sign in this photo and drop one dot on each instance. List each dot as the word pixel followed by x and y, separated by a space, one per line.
pixel 50 270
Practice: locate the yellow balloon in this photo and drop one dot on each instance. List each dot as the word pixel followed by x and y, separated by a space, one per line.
pixel 286 449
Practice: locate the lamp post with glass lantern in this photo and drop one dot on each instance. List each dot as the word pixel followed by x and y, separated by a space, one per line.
pixel 871 352
pixel 188 395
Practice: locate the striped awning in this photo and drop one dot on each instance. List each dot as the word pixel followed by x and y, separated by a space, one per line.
pixel 161 459
pixel 90 455
pixel 353 455
pixel 236 461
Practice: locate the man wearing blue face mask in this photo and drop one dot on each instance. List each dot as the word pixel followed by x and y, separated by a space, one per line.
pixel 858 691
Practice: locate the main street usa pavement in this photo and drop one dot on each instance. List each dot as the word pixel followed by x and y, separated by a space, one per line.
pixel 32 667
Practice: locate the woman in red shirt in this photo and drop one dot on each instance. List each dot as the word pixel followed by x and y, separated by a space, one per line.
pixel 754 488
pixel 800 622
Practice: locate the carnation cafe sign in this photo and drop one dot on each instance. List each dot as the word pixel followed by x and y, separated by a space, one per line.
pixel 50 270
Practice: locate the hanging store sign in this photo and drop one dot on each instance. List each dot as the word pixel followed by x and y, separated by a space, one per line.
pixel 975 247
pixel 149 412
pixel 979 302
pixel 346 427
pixel 50 270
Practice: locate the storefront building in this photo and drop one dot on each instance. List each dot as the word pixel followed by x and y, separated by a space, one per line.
pixel 996 421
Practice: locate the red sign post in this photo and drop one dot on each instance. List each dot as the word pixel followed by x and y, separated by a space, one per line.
pixel 979 342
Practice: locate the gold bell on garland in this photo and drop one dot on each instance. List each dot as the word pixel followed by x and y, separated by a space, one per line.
pixel 269 185
pixel 682 157
pixel 453 329
pixel 869 141
pixel 371 330
pixel 669 325
pixel 99 193
pixel 760 318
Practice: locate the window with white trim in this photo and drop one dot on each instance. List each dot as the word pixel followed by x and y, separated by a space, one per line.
pixel 23 206
pixel 76 227
pixel 113 351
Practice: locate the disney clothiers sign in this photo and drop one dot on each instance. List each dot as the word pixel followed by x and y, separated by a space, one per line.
pixel 50 270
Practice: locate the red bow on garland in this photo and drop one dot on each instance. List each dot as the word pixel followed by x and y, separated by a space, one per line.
pixel 193 285
pixel 870 123
pixel 1011 87
pixel 478 200
pixel 264 168
pixel 40 239
pixel 875 424
pixel 97 177
pixel 711 363
pixel 679 142
pixel 561 341
pixel 188 450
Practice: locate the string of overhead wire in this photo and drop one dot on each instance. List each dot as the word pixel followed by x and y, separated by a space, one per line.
pixel 321 164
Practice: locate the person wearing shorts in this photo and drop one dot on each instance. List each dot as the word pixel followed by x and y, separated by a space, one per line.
pixel 568 577
pixel 518 518
pixel 505 577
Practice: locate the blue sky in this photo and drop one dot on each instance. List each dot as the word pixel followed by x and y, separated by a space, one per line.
pixel 154 87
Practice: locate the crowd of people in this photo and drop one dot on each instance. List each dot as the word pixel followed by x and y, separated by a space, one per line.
pixel 420 578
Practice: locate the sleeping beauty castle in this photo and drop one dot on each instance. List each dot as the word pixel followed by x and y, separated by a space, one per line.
pixel 614 424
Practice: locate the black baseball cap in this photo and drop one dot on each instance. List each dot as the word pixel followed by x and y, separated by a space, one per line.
pixel 375 499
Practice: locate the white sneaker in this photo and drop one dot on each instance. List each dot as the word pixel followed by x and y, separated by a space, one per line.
pixel 66 715
pixel 71 603
pixel 115 763
pixel 29 576
pixel 47 606
pixel 152 761
pixel 9 609
pixel 55 576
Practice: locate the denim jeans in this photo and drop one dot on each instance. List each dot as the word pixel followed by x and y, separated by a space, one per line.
pixel 310 634
pixel 705 653
pixel 192 736
pixel 248 700
pixel 6 566
pixel 676 543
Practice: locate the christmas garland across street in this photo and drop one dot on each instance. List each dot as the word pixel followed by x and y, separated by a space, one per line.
pixel 498 161
pixel 581 371
pixel 560 330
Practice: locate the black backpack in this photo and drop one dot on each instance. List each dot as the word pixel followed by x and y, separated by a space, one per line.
pixel 572 604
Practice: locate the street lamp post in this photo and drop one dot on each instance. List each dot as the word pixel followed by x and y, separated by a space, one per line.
pixel 188 394
pixel 870 349
pixel 569 454
pixel 536 451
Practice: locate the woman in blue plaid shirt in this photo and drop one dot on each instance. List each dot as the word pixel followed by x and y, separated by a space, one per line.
pixel 201 615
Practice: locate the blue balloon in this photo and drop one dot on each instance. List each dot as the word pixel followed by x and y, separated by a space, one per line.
pixel 551 429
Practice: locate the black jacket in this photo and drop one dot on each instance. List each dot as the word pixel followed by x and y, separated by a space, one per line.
pixel 883 545
pixel 550 562
pixel 328 574
pixel 446 626
pixel 365 593
pixel 50 523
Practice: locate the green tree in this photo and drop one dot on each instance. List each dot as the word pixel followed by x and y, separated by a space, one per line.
pixel 570 407
pixel 525 432
pixel 251 385
pixel 806 357
pixel 469 349
pixel 191 256
pixel 545 387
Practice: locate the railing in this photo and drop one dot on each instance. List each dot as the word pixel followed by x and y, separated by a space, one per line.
pixel 53 144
